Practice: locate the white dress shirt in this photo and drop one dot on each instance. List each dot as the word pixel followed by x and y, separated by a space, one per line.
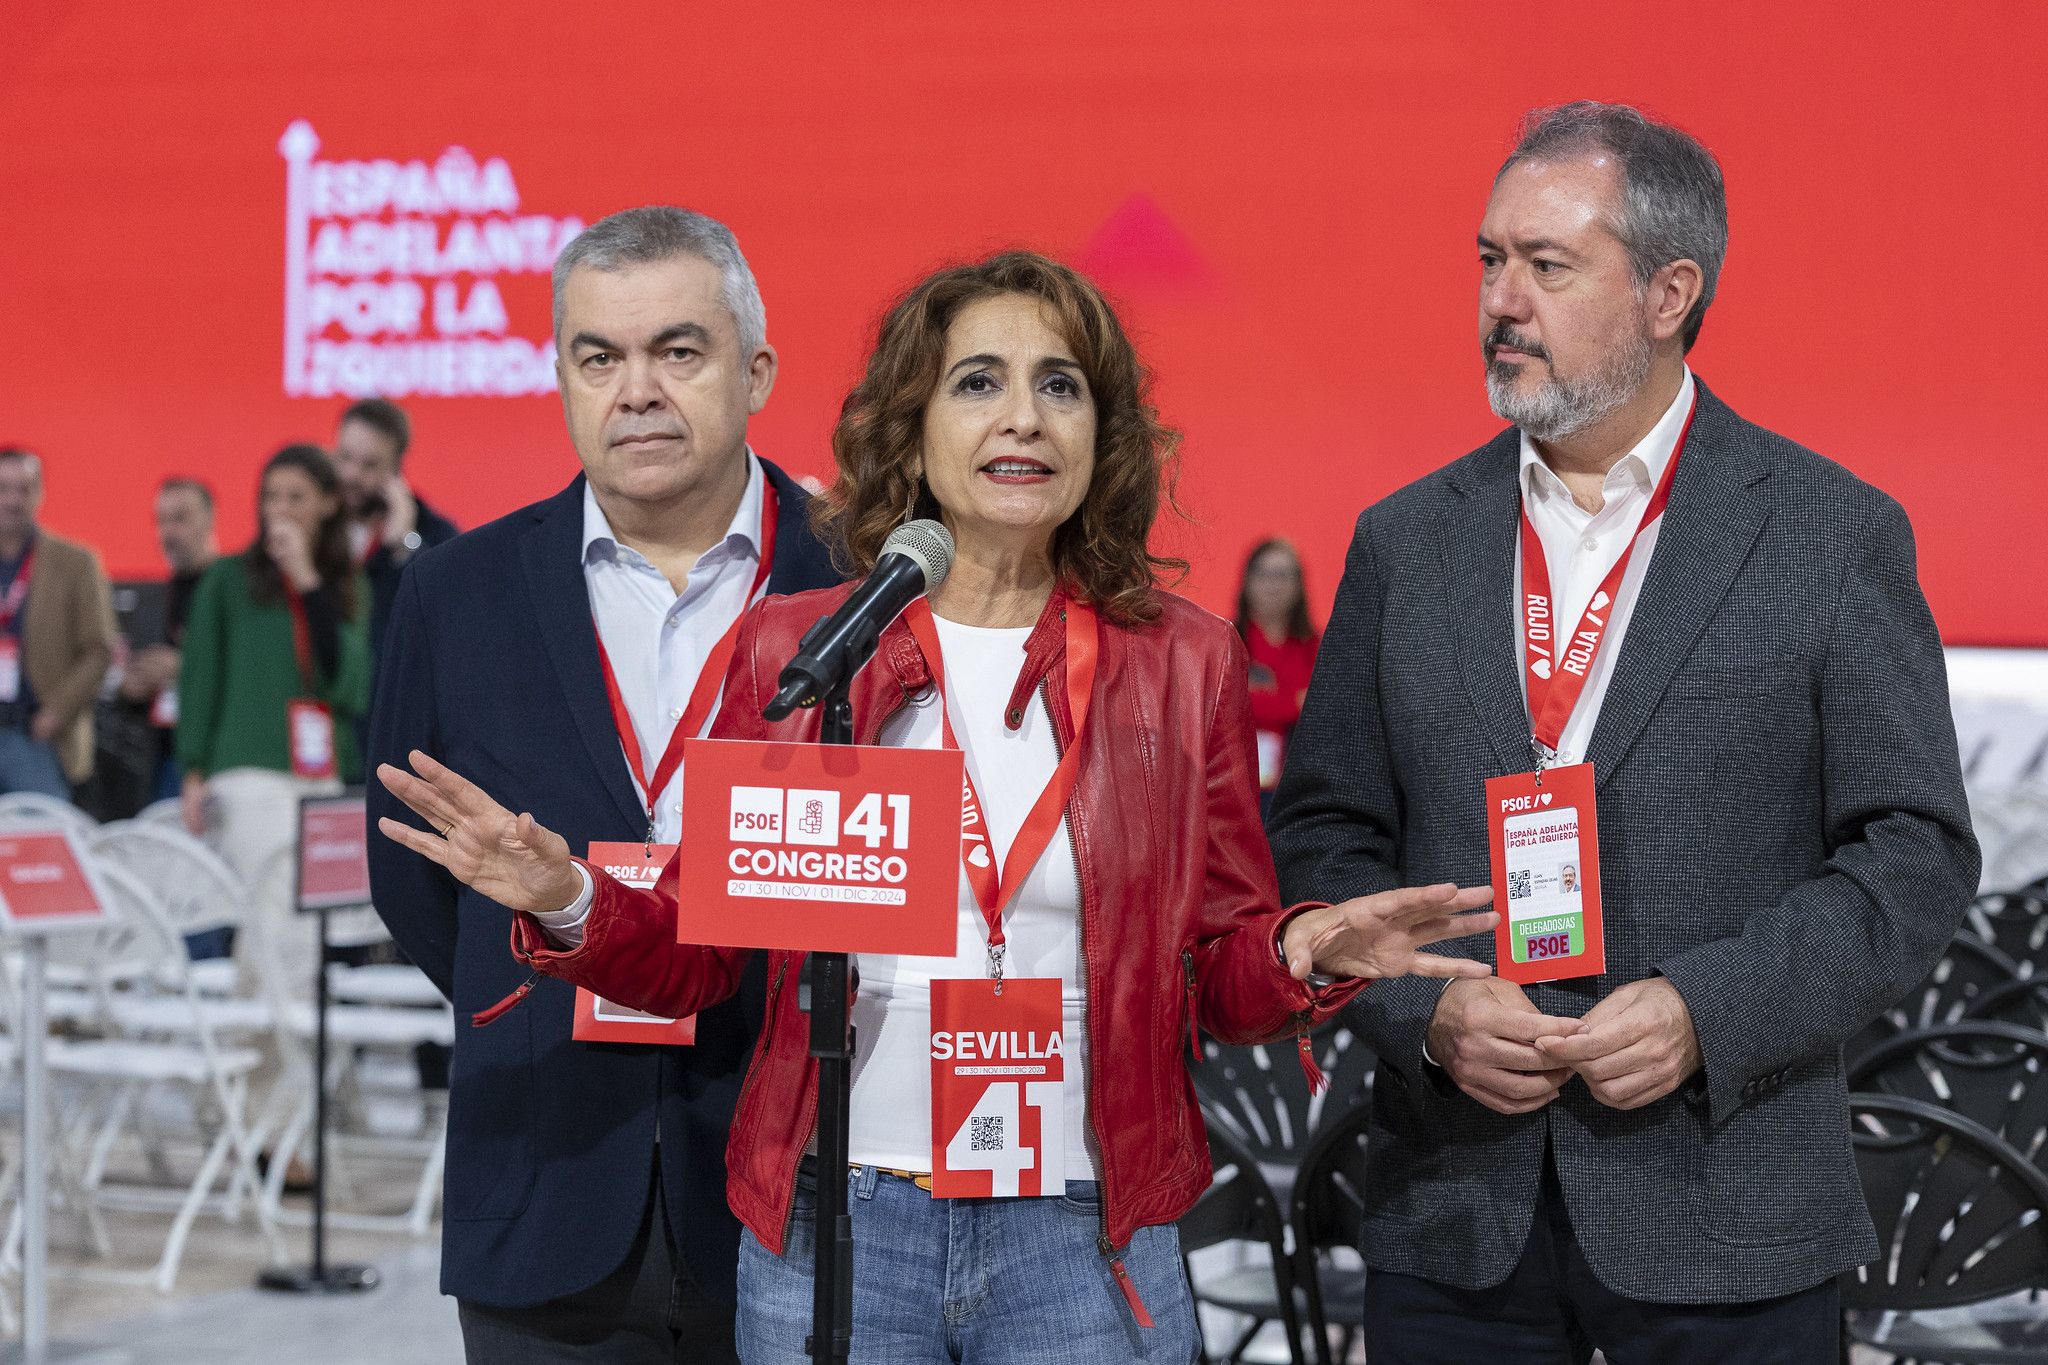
pixel 1580 547
pixel 890 1122
pixel 658 639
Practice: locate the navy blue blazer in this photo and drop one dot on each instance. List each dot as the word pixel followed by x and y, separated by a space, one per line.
pixel 490 665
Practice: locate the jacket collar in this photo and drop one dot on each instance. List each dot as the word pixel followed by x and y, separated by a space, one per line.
pixel 1707 533
pixel 1044 648
pixel 551 554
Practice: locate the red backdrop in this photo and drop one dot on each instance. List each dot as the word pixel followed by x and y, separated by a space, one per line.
pixel 1282 198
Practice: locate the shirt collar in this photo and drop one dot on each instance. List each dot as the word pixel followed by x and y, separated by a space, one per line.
pixel 742 536
pixel 1642 466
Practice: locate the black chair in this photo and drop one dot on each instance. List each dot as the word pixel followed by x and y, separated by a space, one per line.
pixel 1327 1213
pixel 2015 923
pixel 2022 1003
pixel 1239 1207
pixel 1968 968
pixel 1961 1218
pixel 1995 1075
pixel 1261 1095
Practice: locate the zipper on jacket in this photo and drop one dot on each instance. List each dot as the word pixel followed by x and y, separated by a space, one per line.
pixel 1187 971
pixel 1124 1280
pixel 1306 1049
pixel 504 1007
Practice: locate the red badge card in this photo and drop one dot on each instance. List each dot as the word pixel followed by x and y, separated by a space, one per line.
pixel 310 726
pixel 820 848
pixel 334 853
pixel 43 885
pixel 998 1089
pixel 599 1020
pixel 1546 875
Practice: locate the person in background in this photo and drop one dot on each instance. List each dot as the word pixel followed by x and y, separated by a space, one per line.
pixel 184 531
pixel 56 640
pixel 388 523
pixel 1272 620
pixel 275 671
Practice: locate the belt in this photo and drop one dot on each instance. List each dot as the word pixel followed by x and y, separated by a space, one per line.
pixel 922 1179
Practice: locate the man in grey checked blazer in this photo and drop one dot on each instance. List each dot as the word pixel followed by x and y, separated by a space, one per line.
pixel 1654 1161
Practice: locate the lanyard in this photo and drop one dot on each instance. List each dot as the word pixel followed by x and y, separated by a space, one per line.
pixel 703 695
pixel 992 892
pixel 16 596
pixel 1555 686
pixel 302 634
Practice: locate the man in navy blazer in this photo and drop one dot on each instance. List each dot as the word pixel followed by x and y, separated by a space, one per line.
pixel 585 1214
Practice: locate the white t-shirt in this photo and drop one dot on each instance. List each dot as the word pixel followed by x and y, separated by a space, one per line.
pixel 891 1122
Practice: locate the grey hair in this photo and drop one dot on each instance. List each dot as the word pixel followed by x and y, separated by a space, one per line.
pixel 1673 204
pixel 659 233
pixel 30 461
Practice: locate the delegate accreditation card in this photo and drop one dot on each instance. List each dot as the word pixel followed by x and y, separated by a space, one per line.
pixel 599 1020
pixel 998 1089
pixel 1546 875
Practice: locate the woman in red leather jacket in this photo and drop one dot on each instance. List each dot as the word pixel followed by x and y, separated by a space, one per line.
pixel 1104 726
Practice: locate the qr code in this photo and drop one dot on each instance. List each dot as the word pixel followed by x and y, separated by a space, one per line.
pixel 986 1134
pixel 1518 885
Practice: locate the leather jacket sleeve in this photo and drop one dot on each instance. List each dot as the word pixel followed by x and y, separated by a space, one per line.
pixel 1243 993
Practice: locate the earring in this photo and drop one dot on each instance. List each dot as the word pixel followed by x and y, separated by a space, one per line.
pixel 910 512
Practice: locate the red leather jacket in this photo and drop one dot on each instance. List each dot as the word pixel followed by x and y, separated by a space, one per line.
pixel 1179 907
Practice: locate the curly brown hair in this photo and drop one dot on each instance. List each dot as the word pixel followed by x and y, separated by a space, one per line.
pixel 1101 553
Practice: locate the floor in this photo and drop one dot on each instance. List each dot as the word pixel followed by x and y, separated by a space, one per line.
pixel 405 1321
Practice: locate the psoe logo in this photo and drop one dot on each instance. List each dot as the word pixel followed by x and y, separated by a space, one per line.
pixel 778 815
pixel 392 275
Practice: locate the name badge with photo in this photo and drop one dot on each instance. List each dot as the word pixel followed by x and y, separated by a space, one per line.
pixel 1546 875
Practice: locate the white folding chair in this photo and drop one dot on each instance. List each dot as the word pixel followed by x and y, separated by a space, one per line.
pixel 163 1044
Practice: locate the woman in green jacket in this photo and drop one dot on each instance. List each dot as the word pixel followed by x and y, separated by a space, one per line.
pixel 276 669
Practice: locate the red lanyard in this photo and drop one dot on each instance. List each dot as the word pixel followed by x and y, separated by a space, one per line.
pixel 16 596
pixel 302 634
pixel 703 696
pixel 1555 685
pixel 991 892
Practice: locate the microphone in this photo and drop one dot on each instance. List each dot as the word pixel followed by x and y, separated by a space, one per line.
pixel 914 560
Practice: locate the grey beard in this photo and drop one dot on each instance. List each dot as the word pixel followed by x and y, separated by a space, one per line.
pixel 1565 407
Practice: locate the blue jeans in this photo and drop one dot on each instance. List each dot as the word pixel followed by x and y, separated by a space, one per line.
pixel 970 1281
pixel 26 766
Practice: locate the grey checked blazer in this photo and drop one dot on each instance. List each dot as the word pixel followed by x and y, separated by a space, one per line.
pixel 1783 835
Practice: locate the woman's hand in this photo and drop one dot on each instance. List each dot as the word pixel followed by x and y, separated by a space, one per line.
pixel 1376 936
pixel 508 857
pixel 292 551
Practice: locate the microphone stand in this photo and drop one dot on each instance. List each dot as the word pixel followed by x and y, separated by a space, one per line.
pixel 825 991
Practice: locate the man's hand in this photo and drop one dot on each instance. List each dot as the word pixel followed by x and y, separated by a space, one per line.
pixel 1484 1034
pixel 1633 1048
pixel 150 669
pixel 42 727
pixel 1376 936
pixel 401 515
pixel 509 858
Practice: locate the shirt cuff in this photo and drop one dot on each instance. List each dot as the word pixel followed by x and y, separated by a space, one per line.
pixel 565 926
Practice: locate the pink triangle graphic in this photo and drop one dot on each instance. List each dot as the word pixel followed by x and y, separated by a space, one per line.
pixel 1140 251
